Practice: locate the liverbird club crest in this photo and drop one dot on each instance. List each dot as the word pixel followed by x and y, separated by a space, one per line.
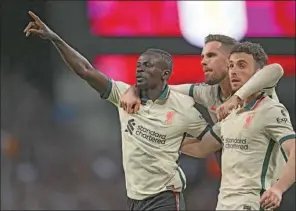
pixel 169 117
pixel 248 120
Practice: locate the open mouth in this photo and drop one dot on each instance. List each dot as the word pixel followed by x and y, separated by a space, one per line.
pixel 235 80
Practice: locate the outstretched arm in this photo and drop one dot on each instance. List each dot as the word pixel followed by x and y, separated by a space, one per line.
pixel 79 64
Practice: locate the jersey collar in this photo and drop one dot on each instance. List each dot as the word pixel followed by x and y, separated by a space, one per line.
pixel 252 105
pixel 220 96
pixel 163 96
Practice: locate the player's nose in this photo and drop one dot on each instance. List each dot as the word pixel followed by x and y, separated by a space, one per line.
pixel 204 62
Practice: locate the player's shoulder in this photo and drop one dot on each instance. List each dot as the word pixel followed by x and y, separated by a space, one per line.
pixel 272 105
pixel 119 83
pixel 179 98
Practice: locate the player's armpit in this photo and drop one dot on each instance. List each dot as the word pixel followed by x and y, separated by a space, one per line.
pixel 287 178
pixel 265 78
pixel 201 149
pixel 130 100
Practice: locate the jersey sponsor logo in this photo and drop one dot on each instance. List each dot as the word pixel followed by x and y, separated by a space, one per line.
pixel 169 117
pixel 281 120
pixel 283 113
pixel 141 131
pixel 130 126
pixel 235 143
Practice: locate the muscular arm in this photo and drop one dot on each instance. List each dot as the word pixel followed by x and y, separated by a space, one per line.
pixel 80 65
pixel 287 178
pixel 201 149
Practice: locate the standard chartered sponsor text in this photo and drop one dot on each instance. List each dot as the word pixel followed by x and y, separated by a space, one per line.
pixel 236 143
pixel 150 135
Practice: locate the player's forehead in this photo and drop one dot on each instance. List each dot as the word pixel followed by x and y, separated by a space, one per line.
pixel 148 57
pixel 213 46
pixel 241 57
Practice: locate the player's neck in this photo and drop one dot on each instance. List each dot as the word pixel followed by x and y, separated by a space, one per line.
pixel 225 87
pixel 252 98
pixel 153 94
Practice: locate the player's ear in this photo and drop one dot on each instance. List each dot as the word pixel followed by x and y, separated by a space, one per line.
pixel 166 74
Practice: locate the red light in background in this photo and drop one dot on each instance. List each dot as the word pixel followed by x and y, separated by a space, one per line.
pixel 161 18
pixel 134 18
pixel 187 68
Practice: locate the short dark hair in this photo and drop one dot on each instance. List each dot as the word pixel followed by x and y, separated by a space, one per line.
pixel 253 49
pixel 227 41
pixel 166 57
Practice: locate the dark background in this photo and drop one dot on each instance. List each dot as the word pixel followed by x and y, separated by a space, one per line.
pixel 60 142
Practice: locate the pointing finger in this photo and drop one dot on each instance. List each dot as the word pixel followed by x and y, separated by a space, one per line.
pixel 35 17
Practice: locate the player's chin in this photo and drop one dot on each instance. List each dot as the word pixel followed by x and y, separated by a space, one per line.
pixel 142 84
pixel 211 81
pixel 236 86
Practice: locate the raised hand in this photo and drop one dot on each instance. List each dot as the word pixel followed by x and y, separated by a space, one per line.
pixel 37 27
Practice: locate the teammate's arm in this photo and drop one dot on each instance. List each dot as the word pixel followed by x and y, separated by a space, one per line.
pixel 72 58
pixel 201 147
pixel 130 100
pixel 279 128
pixel 266 78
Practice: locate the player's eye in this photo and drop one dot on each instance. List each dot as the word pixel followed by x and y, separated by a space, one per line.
pixel 148 64
pixel 210 55
pixel 242 66
pixel 230 66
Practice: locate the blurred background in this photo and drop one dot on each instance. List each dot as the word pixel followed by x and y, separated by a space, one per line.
pixel 60 143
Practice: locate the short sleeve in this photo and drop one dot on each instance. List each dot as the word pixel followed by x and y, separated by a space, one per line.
pixel 216 132
pixel 278 124
pixel 197 126
pixel 114 90
pixel 200 93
